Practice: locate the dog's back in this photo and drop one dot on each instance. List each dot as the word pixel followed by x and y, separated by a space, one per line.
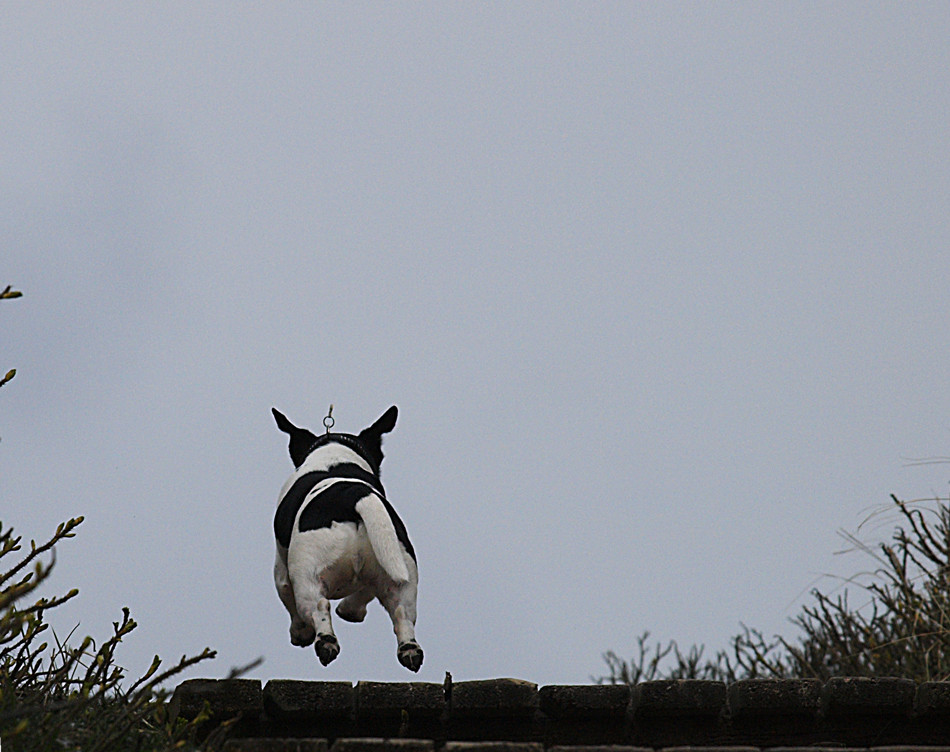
pixel 335 501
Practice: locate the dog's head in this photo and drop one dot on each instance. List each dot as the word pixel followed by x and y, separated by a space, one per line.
pixel 369 442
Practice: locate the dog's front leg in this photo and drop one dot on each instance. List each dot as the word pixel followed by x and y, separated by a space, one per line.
pixel 301 633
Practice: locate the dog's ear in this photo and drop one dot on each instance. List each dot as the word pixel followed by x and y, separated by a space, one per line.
pixel 301 440
pixel 385 424
pixel 372 437
pixel 282 423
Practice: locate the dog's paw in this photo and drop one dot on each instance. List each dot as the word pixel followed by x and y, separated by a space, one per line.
pixel 327 648
pixel 351 614
pixel 302 635
pixel 410 655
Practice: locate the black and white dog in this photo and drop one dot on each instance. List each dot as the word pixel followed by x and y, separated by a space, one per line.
pixel 339 537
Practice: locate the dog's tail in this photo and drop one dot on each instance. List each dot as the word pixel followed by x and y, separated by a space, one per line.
pixel 382 537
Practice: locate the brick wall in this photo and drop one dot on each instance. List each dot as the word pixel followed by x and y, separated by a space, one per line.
pixel 510 715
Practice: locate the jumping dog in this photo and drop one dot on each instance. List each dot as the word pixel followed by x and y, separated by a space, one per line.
pixel 339 537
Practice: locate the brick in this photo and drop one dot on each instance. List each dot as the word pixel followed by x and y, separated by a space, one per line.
pixel 933 699
pixel 824 748
pixel 494 698
pixel 226 697
pixel 679 697
pixel 275 745
pixel 493 747
pixel 584 701
pixel 294 701
pixel 866 696
pixel 592 715
pixel 597 748
pixel 712 748
pixel 774 697
pixel 382 745
pixel 375 700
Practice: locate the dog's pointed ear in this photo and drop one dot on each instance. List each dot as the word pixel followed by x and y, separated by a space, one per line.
pixel 385 423
pixel 301 440
pixel 372 437
pixel 282 423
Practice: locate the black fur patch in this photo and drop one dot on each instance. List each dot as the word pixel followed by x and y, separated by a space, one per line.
pixel 335 504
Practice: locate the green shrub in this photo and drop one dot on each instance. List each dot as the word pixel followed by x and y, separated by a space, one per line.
pixel 902 628
pixel 63 697
pixel 57 696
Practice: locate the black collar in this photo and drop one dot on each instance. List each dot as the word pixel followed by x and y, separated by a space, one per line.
pixel 347 440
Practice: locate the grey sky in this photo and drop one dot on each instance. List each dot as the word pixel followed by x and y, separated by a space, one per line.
pixel 660 291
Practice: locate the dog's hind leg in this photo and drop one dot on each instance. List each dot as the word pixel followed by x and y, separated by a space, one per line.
pixel 314 606
pixel 301 633
pixel 400 603
pixel 353 607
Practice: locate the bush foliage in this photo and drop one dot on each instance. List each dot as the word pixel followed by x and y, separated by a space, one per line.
pixel 59 696
pixel 901 629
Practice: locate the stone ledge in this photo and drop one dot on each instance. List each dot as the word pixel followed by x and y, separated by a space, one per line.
pixel 511 698
pixel 762 714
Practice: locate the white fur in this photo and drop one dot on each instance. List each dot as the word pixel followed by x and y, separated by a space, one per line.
pixel 382 537
pixel 354 562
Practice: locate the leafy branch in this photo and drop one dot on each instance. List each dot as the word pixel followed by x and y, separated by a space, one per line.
pixel 72 697
pixel 63 696
pixel 5 294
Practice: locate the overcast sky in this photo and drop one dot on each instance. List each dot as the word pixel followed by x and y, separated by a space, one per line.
pixel 661 292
